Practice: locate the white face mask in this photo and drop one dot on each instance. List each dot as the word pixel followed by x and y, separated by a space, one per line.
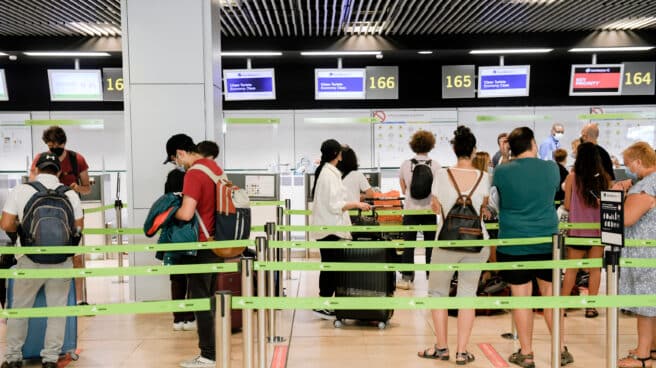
pixel 558 136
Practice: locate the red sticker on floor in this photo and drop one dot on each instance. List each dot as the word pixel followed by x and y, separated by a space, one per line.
pixel 279 357
pixel 493 356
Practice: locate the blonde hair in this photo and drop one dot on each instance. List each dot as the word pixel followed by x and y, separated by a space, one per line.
pixel 641 151
pixel 481 161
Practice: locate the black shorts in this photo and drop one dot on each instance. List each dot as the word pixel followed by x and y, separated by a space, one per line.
pixel 519 277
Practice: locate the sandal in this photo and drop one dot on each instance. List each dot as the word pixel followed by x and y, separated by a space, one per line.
pixel 591 313
pixel 652 352
pixel 522 359
pixel 464 358
pixel 441 354
pixel 632 361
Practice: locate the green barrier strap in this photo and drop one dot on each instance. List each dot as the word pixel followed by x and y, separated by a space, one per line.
pixel 187 305
pixel 597 241
pixel 638 262
pixel 394 212
pixel 407 244
pixel 257 228
pixel 127 248
pixel 118 271
pixel 267 203
pixel 98 209
pixel 297 212
pixel 113 231
pixel 579 226
pixel 358 229
pixel 353 266
pixel 397 303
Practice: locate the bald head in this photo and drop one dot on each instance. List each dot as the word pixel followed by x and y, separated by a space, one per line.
pixel 590 133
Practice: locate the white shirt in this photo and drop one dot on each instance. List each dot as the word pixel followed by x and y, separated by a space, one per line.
pixel 405 173
pixel 21 194
pixel 355 183
pixel 447 195
pixel 329 199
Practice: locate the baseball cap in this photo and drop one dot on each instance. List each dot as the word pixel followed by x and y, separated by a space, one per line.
pixel 48 159
pixel 178 142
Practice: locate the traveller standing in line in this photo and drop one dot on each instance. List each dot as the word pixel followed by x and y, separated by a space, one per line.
pixel 330 208
pixel 552 143
pixel 416 179
pixel 526 210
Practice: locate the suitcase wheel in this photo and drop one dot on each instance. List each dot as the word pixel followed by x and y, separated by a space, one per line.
pixel 382 325
pixel 338 323
pixel 73 355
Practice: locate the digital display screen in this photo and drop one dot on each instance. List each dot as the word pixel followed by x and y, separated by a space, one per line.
pixel 596 80
pixel 249 84
pixel 503 81
pixel 339 84
pixel 4 95
pixel 75 85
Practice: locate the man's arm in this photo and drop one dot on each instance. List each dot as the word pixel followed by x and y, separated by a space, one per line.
pixel 9 223
pixel 187 210
pixel 85 185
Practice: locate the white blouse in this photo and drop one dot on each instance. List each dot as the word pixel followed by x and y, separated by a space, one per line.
pixel 329 199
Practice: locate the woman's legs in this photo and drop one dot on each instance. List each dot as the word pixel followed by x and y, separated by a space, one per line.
pixel 465 324
pixel 570 274
pixel 595 273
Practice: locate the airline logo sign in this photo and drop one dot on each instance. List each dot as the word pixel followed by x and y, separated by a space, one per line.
pixel 594 80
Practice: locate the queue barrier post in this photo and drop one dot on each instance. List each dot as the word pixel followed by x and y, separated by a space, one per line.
pixel 288 235
pixel 612 262
pixel 270 229
pixel 557 244
pixel 278 252
pixel 248 335
pixel 261 247
pixel 223 326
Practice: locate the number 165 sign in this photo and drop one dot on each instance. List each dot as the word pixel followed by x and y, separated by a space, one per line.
pixel 458 81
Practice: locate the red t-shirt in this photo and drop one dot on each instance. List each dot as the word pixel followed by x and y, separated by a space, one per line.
pixel 200 187
pixel 67 177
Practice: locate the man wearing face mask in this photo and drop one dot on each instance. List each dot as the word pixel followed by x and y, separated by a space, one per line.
pixel 74 173
pixel 552 143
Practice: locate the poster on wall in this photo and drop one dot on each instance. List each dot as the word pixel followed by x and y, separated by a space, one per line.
pixel 619 127
pixel 15 142
pixel 394 129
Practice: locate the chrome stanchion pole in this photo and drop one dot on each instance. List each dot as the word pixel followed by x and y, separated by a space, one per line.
pixel 612 261
pixel 222 330
pixel 248 335
pixel 271 281
pixel 288 235
pixel 557 242
pixel 260 247
pixel 118 207
pixel 278 252
pixel 512 335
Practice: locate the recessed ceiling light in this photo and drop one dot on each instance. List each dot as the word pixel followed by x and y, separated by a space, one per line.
pixel 66 53
pixel 3 54
pixel 250 53
pixel 425 52
pixel 630 23
pixel 611 49
pixel 509 51
pixel 340 53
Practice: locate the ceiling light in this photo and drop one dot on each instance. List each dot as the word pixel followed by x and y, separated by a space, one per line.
pixel 250 53
pixel 611 49
pixel 630 23
pixel 426 52
pixel 66 53
pixel 3 54
pixel 509 51
pixel 340 53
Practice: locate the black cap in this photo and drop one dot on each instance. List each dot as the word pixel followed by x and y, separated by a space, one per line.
pixel 48 159
pixel 178 142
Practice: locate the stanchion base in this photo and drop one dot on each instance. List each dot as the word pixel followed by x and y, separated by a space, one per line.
pixel 509 336
pixel 276 339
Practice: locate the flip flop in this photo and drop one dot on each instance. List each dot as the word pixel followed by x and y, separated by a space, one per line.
pixel 440 354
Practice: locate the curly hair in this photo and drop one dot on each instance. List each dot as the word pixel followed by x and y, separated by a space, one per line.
pixel 422 142
pixel 54 134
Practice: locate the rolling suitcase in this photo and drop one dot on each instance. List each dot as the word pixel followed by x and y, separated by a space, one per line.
pixel 365 284
pixel 231 281
pixel 37 326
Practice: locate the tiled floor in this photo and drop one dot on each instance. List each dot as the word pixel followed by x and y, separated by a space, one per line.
pixel 149 341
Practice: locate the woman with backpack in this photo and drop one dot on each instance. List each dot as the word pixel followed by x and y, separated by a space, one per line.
pixel 465 189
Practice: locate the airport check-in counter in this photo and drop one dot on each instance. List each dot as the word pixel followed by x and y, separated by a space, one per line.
pixel 261 186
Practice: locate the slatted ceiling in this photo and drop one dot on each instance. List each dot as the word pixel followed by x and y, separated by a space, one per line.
pixel 330 18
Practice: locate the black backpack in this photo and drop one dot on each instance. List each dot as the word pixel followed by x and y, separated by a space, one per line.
pixel 462 222
pixel 48 220
pixel 422 179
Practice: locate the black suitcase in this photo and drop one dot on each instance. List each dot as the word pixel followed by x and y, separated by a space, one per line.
pixel 365 284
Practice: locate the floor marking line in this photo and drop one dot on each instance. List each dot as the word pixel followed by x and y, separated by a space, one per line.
pixel 279 357
pixel 493 356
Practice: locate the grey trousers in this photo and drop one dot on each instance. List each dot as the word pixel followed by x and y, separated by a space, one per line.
pixel 25 291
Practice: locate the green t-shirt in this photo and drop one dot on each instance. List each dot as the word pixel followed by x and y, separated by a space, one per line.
pixel 526 189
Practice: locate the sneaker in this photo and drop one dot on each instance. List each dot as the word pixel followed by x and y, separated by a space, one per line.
pixel 189 326
pixel 49 365
pixel 16 364
pixel 326 314
pixel 566 357
pixel 178 326
pixel 198 362
pixel 404 284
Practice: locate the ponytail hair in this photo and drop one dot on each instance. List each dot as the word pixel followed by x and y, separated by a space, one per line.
pixel 330 149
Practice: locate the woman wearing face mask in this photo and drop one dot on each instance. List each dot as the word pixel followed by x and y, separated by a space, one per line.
pixel 640 223
pixel 330 208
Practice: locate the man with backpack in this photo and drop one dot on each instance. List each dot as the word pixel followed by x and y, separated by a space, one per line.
pixel 74 173
pixel 416 179
pixel 45 213
pixel 199 199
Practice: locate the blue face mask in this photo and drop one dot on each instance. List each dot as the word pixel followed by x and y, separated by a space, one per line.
pixel 630 173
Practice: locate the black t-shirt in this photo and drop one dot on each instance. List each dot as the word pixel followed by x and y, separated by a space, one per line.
pixel 606 162
pixel 174 181
pixel 560 194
